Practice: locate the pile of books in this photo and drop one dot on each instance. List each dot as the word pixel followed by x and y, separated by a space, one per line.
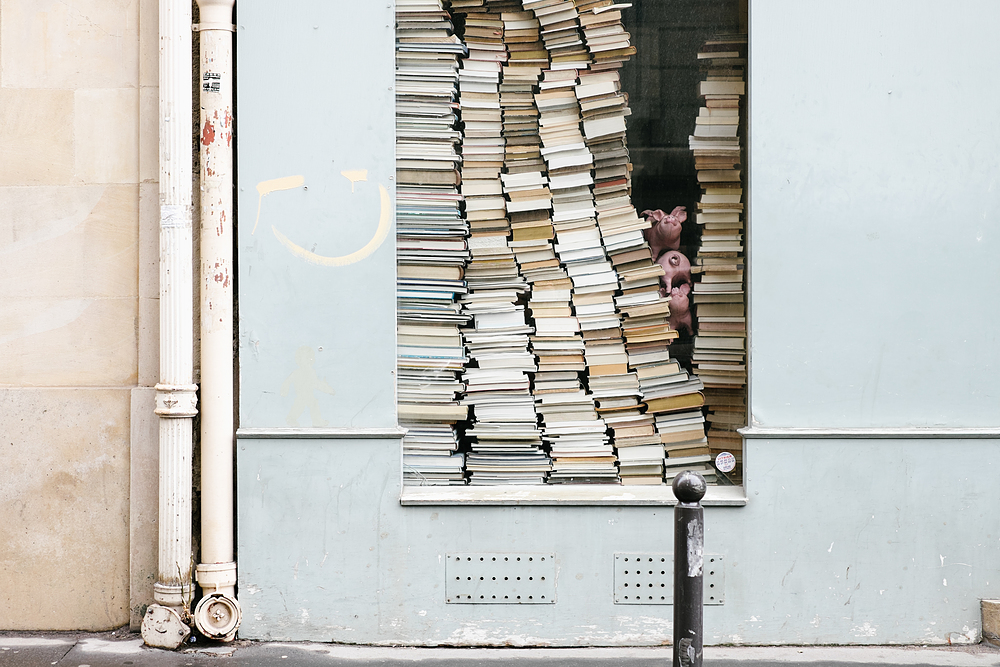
pixel 505 442
pixel 602 111
pixel 683 437
pixel 431 246
pixel 526 286
pixel 645 369
pixel 561 32
pixel 576 440
pixel 719 296
pixel 607 41
pixel 592 281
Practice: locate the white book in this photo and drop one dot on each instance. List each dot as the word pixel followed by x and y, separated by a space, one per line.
pixel 601 127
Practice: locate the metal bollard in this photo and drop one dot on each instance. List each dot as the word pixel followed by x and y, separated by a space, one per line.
pixel 689 559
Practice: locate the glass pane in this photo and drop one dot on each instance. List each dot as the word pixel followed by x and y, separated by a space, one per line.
pixel 542 339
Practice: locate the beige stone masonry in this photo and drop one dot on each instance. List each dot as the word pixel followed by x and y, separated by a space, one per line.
pixel 991 621
pixel 64 535
pixel 36 132
pixel 106 130
pixel 68 315
pixel 78 310
pixel 69 241
pixel 69 342
pixel 69 45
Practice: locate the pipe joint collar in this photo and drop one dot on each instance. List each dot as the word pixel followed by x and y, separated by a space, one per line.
pixel 206 27
pixel 218 616
pixel 173 595
pixel 213 576
pixel 216 14
pixel 176 401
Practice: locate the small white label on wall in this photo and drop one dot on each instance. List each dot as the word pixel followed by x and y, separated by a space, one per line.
pixel 725 462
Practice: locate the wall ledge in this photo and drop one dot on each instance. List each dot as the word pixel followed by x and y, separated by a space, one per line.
pixel 564 494
pixel 869 433
pixel 319 433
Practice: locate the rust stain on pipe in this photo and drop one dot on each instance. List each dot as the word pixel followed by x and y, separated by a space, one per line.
pixel 208 133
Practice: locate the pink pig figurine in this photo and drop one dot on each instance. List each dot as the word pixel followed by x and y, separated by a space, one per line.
pixel 680 308
pixel 665 234
pixel 677 269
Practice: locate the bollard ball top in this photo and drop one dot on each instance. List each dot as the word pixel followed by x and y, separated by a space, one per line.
pixel 689 487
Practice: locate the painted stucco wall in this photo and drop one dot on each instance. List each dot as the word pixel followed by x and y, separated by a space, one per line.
pixel 874 205
pixel 873 285
pixel 78 215
pixel 841 542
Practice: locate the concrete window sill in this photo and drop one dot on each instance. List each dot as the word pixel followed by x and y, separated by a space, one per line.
pixel 568 494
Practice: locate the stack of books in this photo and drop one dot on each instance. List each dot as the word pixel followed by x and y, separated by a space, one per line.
pixel 592 280
pixel 505 442
pixel 429 456
pixel 719 296
pixel 603 111
pixel 607 41
pixel 431 246
pixel 646 371
pixel 579 444
pixel 683 436
pixel 561 32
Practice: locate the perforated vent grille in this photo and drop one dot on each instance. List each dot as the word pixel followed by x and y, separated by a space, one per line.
pixel 649 579
pixel 500 578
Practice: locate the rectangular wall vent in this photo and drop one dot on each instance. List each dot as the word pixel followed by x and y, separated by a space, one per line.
pixel 649 579
pixel 500 578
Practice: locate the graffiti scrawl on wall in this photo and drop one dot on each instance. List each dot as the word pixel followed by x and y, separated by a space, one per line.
pixel 265 188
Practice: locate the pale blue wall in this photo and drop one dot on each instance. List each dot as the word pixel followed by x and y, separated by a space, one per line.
pixel 315 98
pixel 874 200
pixel 874 285
pixel 840 542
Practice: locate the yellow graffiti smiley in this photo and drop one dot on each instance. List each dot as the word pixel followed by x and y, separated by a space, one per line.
pixel 291 182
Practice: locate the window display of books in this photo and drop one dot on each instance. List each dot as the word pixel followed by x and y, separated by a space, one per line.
pixel 533 333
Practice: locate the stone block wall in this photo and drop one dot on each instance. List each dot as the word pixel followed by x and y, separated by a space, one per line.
pixel 78 307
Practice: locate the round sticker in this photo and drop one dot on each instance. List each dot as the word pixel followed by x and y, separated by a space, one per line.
pixel 725 462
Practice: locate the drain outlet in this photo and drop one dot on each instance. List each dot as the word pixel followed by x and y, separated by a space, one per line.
pixel 500 578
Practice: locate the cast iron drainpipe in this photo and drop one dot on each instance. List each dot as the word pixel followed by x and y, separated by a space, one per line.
pixel 165 622
pixel 218 614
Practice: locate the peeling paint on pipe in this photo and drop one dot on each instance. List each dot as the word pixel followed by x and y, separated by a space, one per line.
pixel 218 615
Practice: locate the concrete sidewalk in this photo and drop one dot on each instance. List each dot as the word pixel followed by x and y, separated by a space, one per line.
pixel 122 648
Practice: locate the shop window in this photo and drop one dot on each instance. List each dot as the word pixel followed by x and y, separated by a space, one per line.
pixel 570 244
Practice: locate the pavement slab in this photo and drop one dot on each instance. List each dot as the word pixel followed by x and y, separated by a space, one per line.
pixel 124 648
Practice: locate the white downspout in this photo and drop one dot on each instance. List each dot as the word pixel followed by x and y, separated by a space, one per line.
pixel 176 399
pixel 218 614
